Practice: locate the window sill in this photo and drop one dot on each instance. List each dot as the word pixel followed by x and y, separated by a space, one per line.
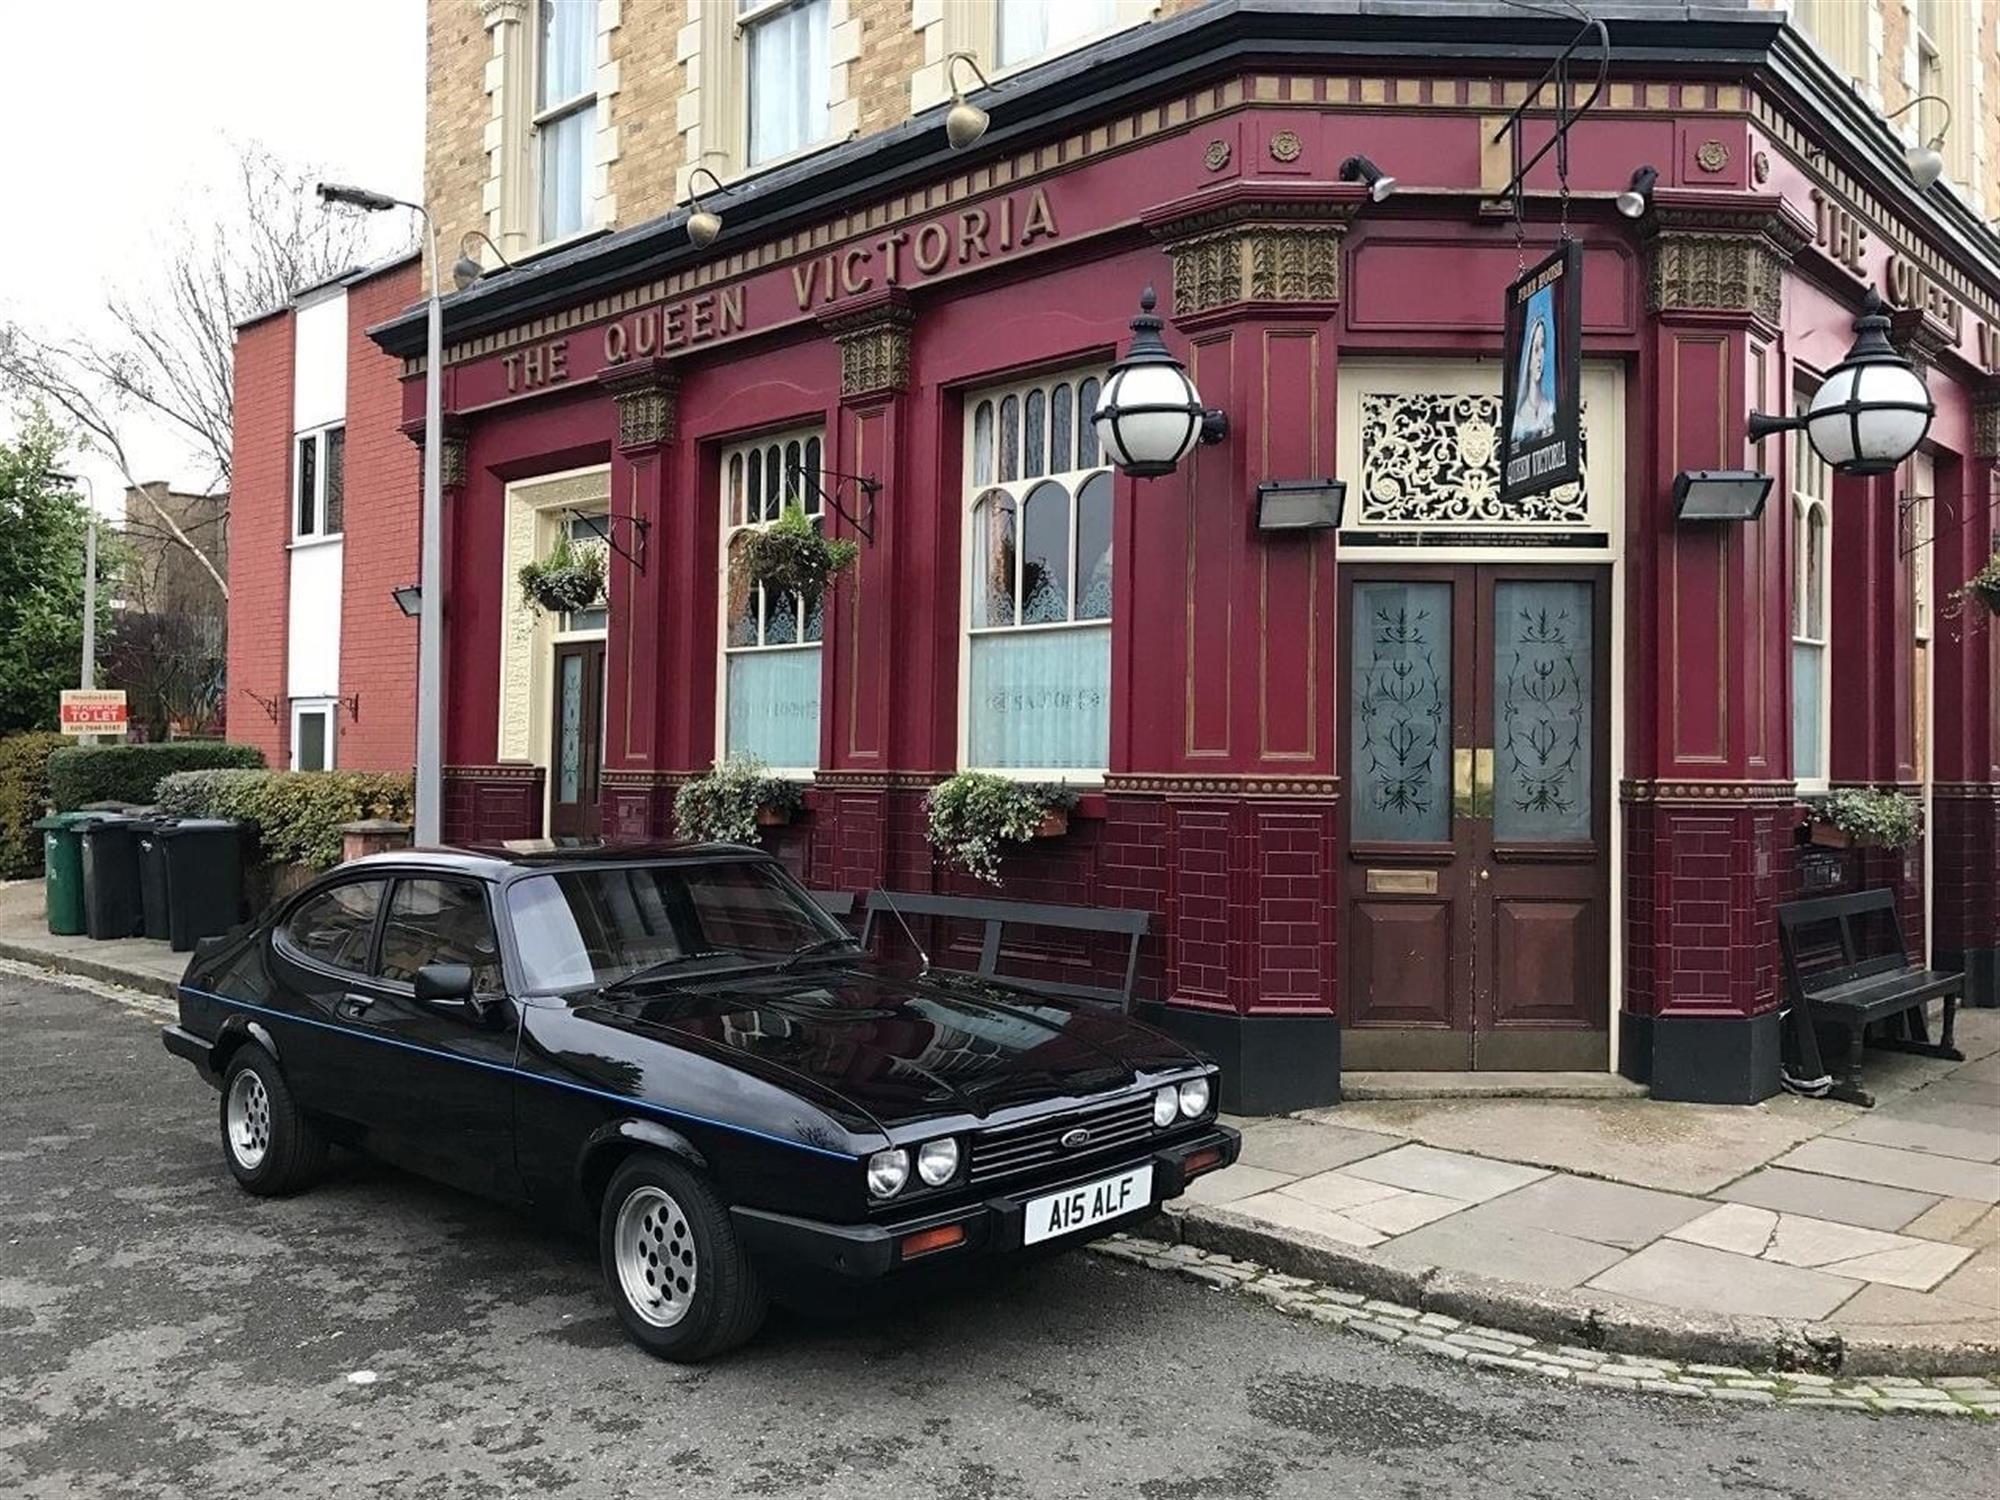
pixel 563 242
pixel 307 543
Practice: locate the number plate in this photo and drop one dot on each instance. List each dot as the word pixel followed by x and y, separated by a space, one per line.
pixel 1093 1203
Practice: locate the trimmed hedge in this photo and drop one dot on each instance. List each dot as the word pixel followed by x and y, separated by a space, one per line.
pixel 83 774
pixel 24 797
pixel 298 813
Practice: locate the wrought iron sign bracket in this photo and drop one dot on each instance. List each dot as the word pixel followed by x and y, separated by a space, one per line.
pixel 865 484
pixel 273 707
pixel 605 525
pixel 1566 117
pixel 352 703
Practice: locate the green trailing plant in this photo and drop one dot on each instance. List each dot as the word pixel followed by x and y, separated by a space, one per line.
pixel 1886 820
pixel 974 813
pixel 570 578
pixel 1985 585
pixel 728 802
pixel 791 557
pixel 297 813
pixel 24 797
pixel 82 774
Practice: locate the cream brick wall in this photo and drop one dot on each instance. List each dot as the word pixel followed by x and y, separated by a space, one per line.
pixel 651 81
pixel 455 161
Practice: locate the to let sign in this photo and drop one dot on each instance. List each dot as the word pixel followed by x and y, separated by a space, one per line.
pixel 93 711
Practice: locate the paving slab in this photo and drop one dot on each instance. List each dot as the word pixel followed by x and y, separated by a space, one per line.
pixel 1918 1266
pixel 1977 1282
pixel 1449 1174
pixel 1676 1274
pixel 1339 1191
pixel 1606 1213
pixel 1944 1175
pixel 1888 1129
pixel 1487 1243
pixel 1302 1147
pixel 1403 1211
pixel 1735 1227
pixel 1286 1212
pixel 1882 1306
pixel 1233 1183
pixel 1868 1204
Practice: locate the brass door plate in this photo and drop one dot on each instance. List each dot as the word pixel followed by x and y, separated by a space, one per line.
pixel 1402 882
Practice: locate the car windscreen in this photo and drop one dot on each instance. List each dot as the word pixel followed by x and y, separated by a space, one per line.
pixel 575 928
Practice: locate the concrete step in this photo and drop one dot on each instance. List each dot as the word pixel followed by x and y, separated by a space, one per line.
pixel 1496 1085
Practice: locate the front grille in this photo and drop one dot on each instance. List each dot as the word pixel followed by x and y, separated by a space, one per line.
pixel 1008 1150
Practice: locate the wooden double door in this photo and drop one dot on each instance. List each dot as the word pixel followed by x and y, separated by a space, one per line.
pixel 1476 929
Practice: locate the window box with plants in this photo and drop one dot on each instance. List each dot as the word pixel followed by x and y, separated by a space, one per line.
pixel 973 814
pixel 734 798
pixel 1866 818
pixel 569 579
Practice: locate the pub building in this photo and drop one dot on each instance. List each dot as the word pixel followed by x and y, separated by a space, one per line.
pixel 1408 775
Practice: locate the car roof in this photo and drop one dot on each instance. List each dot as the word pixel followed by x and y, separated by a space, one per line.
pixel 500 860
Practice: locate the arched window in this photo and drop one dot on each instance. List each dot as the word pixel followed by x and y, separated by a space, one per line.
pixel 1038 577
pixel 1812 555
pixel 770 641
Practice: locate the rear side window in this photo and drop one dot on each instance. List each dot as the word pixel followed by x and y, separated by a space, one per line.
pixel 440 922
pixel 334 927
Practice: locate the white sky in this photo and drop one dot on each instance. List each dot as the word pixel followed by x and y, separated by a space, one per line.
pixel 120 115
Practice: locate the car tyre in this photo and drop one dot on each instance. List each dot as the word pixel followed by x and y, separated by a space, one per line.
pixel 271 1147
pixel 683 1285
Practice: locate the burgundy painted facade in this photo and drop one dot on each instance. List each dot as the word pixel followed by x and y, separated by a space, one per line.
pixel 1222 812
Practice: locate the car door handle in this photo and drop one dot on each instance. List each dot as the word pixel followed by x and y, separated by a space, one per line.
pixel 354 1007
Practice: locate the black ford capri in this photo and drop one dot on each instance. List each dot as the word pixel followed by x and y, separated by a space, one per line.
pixel 676 1047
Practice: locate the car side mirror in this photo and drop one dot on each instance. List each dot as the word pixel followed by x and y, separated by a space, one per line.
pixel 447 987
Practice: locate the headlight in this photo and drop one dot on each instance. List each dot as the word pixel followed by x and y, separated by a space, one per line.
pixel 1194 1097
pixel 1166 1104
pixel 888 1171
pixel 937 1162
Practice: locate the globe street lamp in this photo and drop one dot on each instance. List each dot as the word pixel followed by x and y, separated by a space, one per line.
pixel 430 620
pixel 1150 416
pixel 1872 409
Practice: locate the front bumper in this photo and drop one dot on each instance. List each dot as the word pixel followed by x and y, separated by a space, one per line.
pixel 867 1252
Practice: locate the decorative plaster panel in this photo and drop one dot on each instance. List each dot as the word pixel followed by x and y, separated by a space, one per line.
pixel 522 630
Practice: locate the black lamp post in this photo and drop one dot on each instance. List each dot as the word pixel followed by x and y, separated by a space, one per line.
pixel 1872 409
pixel 1150 416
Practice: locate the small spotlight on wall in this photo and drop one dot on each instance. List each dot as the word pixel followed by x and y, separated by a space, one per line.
pixel 1720 494
pixel 409 599
pixel 466 269
pixel 964 123
pixel 1925 162
pixel 1637 198
pixel 1300 504
pixel 1361 169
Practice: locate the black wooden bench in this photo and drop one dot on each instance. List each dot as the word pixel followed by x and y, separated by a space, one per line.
pixel 1846 965
pixel 997 916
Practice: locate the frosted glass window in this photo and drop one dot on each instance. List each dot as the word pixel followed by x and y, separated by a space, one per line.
pixel 1812 542
pixel 770 640
pixel 1544 637
pixel 1038 572
pixel 1401 728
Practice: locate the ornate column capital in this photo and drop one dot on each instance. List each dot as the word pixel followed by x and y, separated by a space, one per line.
pixel 451 461
pixel 502 12
pixel 1262 242
pixel 1919 338
pixel 1724 255
pixel 647 392
pixel 874 340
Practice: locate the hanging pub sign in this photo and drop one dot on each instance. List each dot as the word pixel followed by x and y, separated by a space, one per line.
pixel 1540 444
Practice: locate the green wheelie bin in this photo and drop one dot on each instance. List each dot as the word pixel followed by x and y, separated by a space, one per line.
pixel 62 866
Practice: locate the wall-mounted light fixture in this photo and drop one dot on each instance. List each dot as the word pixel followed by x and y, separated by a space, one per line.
pixel 1720 494
pixel 1149 415
pixel 1925 163
pixel 1637 198
pixel 1300 504
pixel 964 123
pixel 703 225
pixel 1872 409
pixel 466 269
pixel 409 599
pixel 1360 169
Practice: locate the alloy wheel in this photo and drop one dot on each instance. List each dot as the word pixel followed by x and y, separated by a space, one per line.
pixel 249 1120
pixel 653 1249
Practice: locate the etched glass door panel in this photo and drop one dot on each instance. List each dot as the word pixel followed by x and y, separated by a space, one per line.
pixel 569 752
pixel 1544 636
pixel 1400 637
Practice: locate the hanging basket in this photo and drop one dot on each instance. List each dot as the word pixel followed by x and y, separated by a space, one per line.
pixel 570 578
pixel 791 558
pixel 1985 585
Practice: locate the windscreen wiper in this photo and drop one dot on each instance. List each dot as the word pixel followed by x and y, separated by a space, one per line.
pixel 816 946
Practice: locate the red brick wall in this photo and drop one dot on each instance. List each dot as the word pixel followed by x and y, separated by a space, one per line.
pixel 259 528
pixel 378 645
